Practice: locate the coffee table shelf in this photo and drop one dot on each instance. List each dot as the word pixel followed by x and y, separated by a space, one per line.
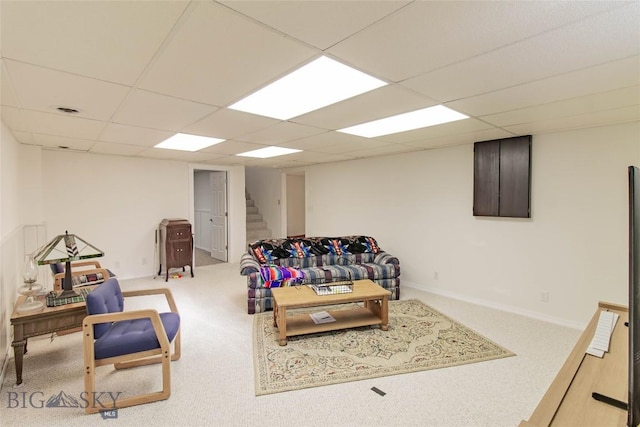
pixel 353 318
pixel 374 312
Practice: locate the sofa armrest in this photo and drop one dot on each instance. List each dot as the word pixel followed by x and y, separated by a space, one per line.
pixel 385 258
pixel 248 264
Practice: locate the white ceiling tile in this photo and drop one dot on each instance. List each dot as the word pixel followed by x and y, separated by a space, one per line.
pixel 306 156
pixel 463 138
pixel 599 118
pixel 7 94
pixel 13 118
pixel 321 24
pixel 61 124
pixel 188 156
pixel 227 161
pixel 232 147
pixel 241 160
pixel 570 48
pixel 384 151
pixel 63 142
pixel 198 156
pixel 427 35
pixel 219 56
pixel 606 77
pixel 361 147
pixel 109 40
pixel 229 124
pixel 334 142
pixel 452 128
pixel 627 96
pixel 133 135
pixel 281 133
pixel 116 149
pixel 23 137
pixel 163 112
pixel 383 102
pixel 43 89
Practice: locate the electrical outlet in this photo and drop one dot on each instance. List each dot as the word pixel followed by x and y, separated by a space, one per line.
pixel 144 261
pixel 544 296
pixel 436 275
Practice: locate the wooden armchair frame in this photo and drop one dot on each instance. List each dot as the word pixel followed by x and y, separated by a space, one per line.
pixel 160 355
pixel 75 272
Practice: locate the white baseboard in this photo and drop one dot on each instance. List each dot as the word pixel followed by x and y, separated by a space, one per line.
pixel 492 304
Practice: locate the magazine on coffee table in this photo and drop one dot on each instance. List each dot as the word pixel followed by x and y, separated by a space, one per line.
pixel 322 317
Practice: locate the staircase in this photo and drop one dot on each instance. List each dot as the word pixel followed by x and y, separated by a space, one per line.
pixel 256 227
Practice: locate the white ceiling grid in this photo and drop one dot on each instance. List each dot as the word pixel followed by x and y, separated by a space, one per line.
pixel 139 72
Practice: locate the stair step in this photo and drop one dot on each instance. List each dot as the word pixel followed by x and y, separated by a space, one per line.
pixel 256 225
pixel 253 235
pixel 254 217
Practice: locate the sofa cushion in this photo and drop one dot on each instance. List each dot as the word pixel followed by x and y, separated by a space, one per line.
pixel 266 252
pixel 353 272
pixel 298 249
pixel 336 246
pixel 348 259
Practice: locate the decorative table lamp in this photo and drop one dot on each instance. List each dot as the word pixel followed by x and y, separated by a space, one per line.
pixel 30 287
pixel 64 248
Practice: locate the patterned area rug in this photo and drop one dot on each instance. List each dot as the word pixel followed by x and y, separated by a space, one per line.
pixel 419 338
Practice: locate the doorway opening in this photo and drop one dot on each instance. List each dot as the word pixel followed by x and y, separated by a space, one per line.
pixel 210 215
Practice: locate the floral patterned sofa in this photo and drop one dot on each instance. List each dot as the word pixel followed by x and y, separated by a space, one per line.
pixel 287 262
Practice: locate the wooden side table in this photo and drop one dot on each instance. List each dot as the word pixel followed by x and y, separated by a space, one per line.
pixel 45 321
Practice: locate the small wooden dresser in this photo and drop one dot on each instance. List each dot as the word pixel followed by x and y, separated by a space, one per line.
pixel 175 245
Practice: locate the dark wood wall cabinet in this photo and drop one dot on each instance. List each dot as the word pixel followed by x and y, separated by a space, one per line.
pixel 175 245
pixel 502 177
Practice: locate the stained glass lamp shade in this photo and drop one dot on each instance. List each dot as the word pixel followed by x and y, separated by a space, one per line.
pixel 66 248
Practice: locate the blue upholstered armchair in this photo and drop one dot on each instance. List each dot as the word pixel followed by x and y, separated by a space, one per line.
pixel 128 339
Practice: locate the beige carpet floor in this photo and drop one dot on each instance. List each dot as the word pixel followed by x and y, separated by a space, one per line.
pixel 213 383
pixel 419 338
pixel 203 258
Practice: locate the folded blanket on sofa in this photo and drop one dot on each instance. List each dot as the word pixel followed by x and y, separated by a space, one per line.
pixel 275 276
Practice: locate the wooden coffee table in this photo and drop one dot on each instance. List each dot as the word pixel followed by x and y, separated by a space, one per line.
pixel 375 310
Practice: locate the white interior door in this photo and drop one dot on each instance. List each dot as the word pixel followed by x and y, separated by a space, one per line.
pixel 218 220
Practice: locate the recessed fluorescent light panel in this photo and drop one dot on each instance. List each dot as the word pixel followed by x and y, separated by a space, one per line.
pixel 186 142
pixel 264 153
pixel 407 121
pixel 318 84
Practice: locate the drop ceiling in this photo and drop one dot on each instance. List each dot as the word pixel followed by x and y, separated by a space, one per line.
pixel 141 71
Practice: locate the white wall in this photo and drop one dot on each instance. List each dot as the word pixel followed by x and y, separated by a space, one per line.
pixel 116 203
pixel 265 187
pixel 295 205
pixel 419 207
pixel 20 204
